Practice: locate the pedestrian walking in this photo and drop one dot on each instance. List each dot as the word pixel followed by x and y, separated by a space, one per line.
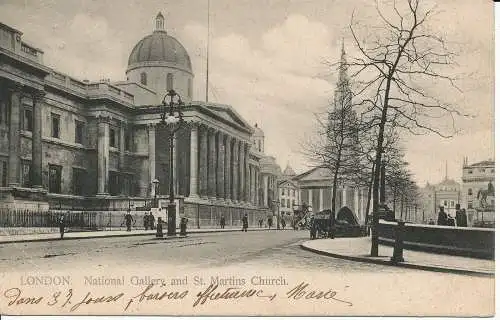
pixel 222 222
pixel 269 222
pixel 261 222
pixel 283 223
pixel 128 220
pixel 146 221
pixel 245 223
pixel 61 223
pixel 151 219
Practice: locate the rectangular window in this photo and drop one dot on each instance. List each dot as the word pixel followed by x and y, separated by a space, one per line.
pixel 282 202
pixel 79 131
pixel 28 120
pixel 282 192
pixel 452 203
pixel 79 178
pixel 112 137
pixel 445 203
pixel 56 125
pixel 288 203
pixel 3 173
pixel 469 205
pixel 55 178
pixel 114 183
pixel 26 174
pixel 470 171
pixel 128 140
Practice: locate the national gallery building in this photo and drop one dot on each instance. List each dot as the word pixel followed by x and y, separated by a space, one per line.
pixel 72 145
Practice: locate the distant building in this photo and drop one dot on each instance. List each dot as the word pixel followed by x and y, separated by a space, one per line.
pixel 288 191
pixel 446 194
pixel 476 177
pixel 316 191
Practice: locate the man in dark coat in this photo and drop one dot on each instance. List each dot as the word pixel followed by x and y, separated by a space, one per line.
pixel 151 219
pixel 442 217
pixel 61 223
pixel 128 221
pixel 461 218
pixel 222 222
pixel 269 222
pixel 245 222
pixel 146 221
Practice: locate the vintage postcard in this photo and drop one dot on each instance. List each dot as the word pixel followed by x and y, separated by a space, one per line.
pixel 243 158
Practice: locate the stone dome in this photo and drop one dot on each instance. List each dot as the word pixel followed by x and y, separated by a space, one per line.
pixel 289 171
pixel 159 48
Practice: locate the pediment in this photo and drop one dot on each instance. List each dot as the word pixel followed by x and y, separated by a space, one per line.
pixel 225 113
pixel 318 173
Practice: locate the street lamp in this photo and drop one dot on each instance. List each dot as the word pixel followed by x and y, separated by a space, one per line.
pixel 171 118
pixel 156 184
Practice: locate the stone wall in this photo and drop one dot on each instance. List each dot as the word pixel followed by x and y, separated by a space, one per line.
pixel 474 242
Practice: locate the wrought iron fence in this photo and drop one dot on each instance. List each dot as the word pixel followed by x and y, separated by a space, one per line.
pixel 74 220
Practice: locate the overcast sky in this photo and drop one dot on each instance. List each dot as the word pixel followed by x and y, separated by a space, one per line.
pixel 266 60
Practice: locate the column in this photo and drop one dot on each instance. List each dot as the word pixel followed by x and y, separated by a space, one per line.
pixel 220 165
pixel 15 137
pixel 212 157
pixel 152 156
pixel 344 196
pixel 121 163
pixel 310 197
pixel 257 185
pixel 102 154
pixel 252 181
pixel 321 199
pixel 203 164
pixel 247 173
pixel 36 141
pixel 193 159
pixel 265 188
pixel 227 167
pixel 241 166
pixel 234 181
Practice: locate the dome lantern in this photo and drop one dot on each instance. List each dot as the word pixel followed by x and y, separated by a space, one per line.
pixel 160 22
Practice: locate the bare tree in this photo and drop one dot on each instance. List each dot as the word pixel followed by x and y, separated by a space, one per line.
pixel 338 145
pixel 393 69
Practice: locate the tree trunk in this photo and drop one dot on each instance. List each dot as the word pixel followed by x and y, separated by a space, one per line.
pixel 367 211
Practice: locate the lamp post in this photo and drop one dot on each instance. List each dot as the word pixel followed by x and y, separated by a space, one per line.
pixel 156 184
pixel 172 119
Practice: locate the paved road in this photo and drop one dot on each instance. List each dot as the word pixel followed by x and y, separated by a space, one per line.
pixel 266 248
pixel 246 255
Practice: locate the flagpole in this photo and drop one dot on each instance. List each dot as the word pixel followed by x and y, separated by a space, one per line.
pixel 208 47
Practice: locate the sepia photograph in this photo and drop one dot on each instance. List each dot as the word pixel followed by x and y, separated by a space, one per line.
pixel 247 157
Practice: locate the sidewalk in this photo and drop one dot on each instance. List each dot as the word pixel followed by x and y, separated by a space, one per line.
pixel 104 234
pixel 358 249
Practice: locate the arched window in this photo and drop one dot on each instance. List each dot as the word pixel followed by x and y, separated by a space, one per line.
pixel 469 192
pixel 144 78
pixel 170 81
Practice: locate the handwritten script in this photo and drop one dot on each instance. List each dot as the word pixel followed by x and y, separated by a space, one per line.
pixel 69 300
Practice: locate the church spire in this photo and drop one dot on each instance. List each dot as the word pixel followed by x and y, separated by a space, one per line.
pixel 343 78
pixel 160 22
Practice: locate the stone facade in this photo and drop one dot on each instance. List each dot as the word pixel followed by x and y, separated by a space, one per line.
pixel 316 191
pixel 476 177
pixel 71 144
